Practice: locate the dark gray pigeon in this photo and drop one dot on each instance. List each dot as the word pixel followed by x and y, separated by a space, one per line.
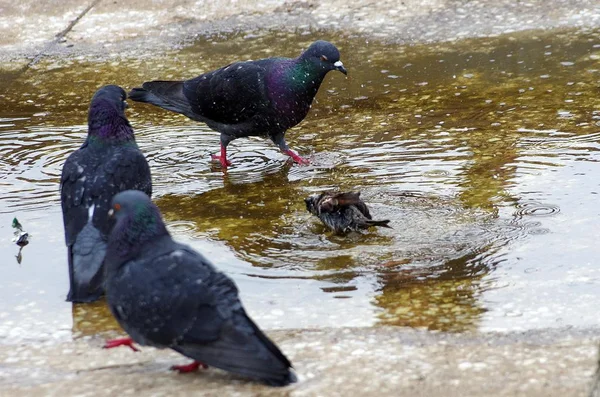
pixel 108 162
pixel 167 295
pixel 253 98
pixel 342 212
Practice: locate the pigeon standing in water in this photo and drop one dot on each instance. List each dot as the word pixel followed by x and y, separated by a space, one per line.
pixel 167 295
pixel 108 162
pixel 342 212
pixel 263 97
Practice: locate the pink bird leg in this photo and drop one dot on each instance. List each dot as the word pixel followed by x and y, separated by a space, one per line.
pixel 222 158
pixel 120 342
pixel 296 157
pixel 183 369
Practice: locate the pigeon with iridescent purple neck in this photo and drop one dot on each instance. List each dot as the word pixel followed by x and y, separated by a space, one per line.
pixel 165 294
pixel 108 162
pixel 253 98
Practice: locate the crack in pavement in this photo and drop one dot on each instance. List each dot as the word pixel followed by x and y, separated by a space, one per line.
pixel 60 35
pixel 14 76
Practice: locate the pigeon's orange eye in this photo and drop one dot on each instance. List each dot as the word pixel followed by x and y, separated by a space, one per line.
pixel 117 207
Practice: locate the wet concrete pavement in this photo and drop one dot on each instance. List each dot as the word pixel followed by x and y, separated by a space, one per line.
pixel 348 361
pixel 383 361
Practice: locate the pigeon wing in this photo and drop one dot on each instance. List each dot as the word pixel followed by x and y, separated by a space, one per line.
pixel 337 201
pixel 159 296
pixel 74 188
pixel 125 169
pixel 233 94
pixel 240 347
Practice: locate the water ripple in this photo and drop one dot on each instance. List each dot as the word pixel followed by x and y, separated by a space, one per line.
pixel 536 209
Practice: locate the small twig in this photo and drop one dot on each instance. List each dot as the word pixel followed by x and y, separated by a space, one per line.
pixel 110 367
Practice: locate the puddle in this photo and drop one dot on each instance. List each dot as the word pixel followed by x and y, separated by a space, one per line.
pixel 483 153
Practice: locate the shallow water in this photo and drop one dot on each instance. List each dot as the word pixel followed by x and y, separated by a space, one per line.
pixel 483 153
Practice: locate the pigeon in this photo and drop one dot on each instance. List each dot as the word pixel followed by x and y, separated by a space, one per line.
pixel 253 98
pixel 165 294
pixel 109 161
pixel 342 212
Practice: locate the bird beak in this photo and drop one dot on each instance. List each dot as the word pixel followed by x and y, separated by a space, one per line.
pixel 340 66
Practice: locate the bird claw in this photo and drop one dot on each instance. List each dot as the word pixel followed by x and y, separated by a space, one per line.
pixel 120 342
pixel 224 162
pixel 297 159
pixel 182 369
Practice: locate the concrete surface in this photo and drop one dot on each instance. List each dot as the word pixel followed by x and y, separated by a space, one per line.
pixel 52 27
pixel 354 361
pixel 382 361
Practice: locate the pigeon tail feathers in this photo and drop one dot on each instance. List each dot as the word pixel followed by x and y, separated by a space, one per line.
pixel 165 94
pixel 249 360
pixel 86 257
pixel 241 348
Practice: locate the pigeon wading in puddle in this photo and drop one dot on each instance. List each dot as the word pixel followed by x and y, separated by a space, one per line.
pixel 167 295
pixel 342 212
pixel 108 162
pixel 253 98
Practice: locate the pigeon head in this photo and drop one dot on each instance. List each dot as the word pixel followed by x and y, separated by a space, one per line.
pixel 106 117
pixel 137 221
pixel 112 95
pixel 324 56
